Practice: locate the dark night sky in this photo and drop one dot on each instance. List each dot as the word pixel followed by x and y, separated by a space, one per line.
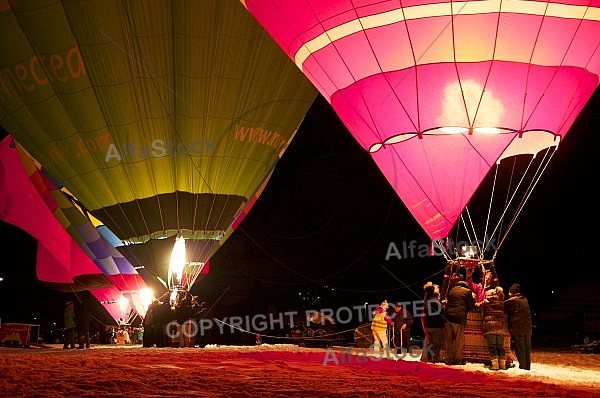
pixel 326 219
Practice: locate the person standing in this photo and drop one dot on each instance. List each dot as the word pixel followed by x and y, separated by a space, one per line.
pixel 379 326
pixel 70 324
pixel 126 338
pixel 433 322
pixel 163 315
pixel 519 325
pixel 83 318
pixel 403 320
pixel 426 342
pixel 490 281
pixel 494 326
pixel 149 324
pixel 459 302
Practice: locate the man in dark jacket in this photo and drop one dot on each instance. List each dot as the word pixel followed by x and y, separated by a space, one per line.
pixel 83 318
pixel 433 324
pixel 460 302
pixel 150 325
pixel 70 325
pixel 519 325
pixel 403 320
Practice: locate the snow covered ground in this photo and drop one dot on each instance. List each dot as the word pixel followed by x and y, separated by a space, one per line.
pixel 279 370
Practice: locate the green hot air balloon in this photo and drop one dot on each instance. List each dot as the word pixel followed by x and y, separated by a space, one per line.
pixel 162 118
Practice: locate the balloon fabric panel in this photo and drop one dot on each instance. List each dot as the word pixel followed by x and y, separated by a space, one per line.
pixel 487 73
pixel 161 117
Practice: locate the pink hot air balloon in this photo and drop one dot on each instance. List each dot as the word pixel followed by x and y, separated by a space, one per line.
pixel 61 263
pixel 439 91
pixel 71 254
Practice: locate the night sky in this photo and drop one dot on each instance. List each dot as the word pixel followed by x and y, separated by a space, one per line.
pixel 323 225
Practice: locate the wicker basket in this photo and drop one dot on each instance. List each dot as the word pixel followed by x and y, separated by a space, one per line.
pixel 474 344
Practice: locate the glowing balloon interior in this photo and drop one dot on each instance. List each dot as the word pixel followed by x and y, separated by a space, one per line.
pixel 177 263
pixel 162 118
pixel 438 90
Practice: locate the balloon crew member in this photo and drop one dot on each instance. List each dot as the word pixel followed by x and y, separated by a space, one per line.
pixel 164 316
pixel 490 281
pixel 379 326
pixel 70 324
pixel 83 319
pixel 433 322
pixel 494 326
pixel 459 302
pixel 425 355
pixel 150 325
pixel 403 320
pixel 519 325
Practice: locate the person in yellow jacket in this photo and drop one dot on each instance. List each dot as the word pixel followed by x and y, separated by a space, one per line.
pixel 379 326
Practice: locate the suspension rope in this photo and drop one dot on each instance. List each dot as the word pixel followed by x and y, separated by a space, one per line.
pixel 442 249
pixel 487 221
pixel 465 225
pixel 537 176
pixel 473 229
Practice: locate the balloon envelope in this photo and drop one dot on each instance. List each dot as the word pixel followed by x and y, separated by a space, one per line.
pixel 61 263
pixel 161 117
pixel 438 91
pixel 71 254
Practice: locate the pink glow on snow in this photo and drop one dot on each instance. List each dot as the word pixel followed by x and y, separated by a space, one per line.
pixel 279 370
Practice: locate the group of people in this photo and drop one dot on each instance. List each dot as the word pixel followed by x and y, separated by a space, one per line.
pixel 77 325
pixel 391 326
pixel 125 334
pixel 162 316
pixel 500 316
pixel 445 322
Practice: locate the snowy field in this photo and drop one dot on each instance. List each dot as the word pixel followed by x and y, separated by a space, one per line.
pixel 279 371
